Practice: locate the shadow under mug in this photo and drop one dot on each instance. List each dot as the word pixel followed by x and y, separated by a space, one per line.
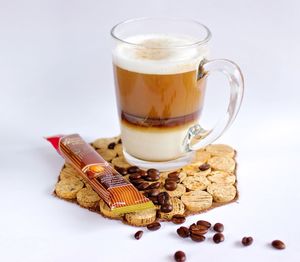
pixel 160 69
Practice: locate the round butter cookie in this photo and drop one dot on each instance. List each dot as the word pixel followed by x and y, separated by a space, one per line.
pixel 222 163
pixel 68 188
pixel 141 218
pixel 221 192
pixel 178 209
pixel 197 200
pixel 220 150
pixel 221 177
pixel 196 182
pixel 87 197
pixel 105 211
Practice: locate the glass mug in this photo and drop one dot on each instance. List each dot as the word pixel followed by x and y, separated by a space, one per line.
pixel 160 70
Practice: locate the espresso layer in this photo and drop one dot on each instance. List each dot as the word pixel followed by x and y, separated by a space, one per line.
pixel 157 122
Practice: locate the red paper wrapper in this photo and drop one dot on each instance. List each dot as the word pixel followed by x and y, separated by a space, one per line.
pixel 120 195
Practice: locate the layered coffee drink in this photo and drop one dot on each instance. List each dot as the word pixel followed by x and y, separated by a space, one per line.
pixel 160 93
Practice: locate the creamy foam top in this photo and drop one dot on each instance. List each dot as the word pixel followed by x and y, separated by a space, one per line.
pixel 159 54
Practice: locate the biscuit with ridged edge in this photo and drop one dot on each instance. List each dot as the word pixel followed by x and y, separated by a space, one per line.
pixel 141 218
pixel 222 163
pixel 222 193
pixel 87 197
pixel 68 188
pixel 178 192
pixel 196 201
pixel 220 150
pixel 221 177
pixel 196 182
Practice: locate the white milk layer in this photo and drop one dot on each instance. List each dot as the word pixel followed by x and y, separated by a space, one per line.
pixel 155 144
pixel 159 54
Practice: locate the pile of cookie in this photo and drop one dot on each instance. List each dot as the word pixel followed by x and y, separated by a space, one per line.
pixel 208 182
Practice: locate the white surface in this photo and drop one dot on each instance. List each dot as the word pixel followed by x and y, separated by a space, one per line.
pixel 56 77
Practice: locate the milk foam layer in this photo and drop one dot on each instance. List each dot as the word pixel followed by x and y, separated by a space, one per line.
pixel 159 54
pixel 154 144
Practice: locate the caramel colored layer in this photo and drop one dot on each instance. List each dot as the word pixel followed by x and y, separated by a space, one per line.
pixel 154 96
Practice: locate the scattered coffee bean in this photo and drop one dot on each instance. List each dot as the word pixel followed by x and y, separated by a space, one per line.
pixel 178 219
pixel 133 169
pixel 218 227
pixel 153 192
pixel 154 226
pixel 204 223
pixel 143 186
pixel 198 229
pixel 154 185
pixel 218 238
pixel 166 208
pixel 120 141
pixel 111 145
pixel 154 199
pixel 183 232
pixel 152 174
pixel 121 170
pixel 138 234
pixel 247 241
pixel 173 175
pixel 179 256
pixel 278 244
pixel 171 185
pixel 204 167
pixel 135 176
pixel 191 226
pixel 197 238
pixel 163 197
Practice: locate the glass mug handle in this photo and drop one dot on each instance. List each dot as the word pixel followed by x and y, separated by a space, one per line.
pixel 197 133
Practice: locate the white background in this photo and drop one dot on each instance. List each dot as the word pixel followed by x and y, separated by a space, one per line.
pixel 56 77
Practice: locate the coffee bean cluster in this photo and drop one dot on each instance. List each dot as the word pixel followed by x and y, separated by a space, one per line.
pixel 147 181
pixel 172 181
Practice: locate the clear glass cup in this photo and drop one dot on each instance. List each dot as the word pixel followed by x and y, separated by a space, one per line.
pixel 160 67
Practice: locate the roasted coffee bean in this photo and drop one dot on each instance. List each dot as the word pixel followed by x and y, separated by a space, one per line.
pixel 278 244
pixel 247 241
pixel 152 174
pixel 218 227
pixel 163 198
pixel 204 167
pixel 179 256
pixel 173 179
pixel 218 238
pixel 197 238
pixel 154 185
pixel 135 176
pixel 133 169
pixel 138 234
pixel 154 226
pixel 178 219
pixel 154 199
pixel 111 145
pixel 153 192
pixel 191 226
pixel 142 186
pixel 173 175
pixel 183 232
pixel 166 208
pixel 198 229
pixel 171 185
pixel 136 182
pixel 204 223
pixel 121 170
pixel 143 173
pixel 120 141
